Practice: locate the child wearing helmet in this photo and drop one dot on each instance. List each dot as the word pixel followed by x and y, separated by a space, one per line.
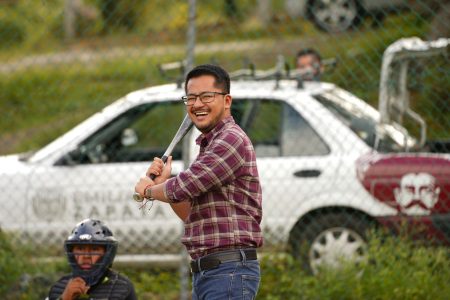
pixel 90 249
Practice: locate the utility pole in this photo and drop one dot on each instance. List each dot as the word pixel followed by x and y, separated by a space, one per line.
pixel 69 20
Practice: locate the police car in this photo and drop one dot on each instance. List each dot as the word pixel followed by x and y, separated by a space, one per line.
pixel 319 154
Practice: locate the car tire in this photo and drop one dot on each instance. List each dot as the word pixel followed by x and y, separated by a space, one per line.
pixel 323 240
pixel 335 15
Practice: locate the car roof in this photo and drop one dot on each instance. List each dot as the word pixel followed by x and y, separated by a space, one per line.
pixel 239 87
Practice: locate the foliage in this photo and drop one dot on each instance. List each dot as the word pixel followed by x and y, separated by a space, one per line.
pixel 397 268
pixel 33 24
pixel 44 102
pixel 429 95
pixel 40 101
pixel 21 277
pixel 119 13
pixel 11 33
pixel 155 284
pixel 11 264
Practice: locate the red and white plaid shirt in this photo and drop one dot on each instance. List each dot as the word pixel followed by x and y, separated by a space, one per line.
pixel 224 189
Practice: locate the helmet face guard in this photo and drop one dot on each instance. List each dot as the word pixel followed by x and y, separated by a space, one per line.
pixel 91 232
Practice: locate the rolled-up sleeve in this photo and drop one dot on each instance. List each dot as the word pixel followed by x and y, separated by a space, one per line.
pixel 214 167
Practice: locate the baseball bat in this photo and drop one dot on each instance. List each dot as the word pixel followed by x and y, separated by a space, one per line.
pixel 185 126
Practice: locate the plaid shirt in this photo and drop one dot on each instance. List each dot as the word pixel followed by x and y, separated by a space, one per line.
pixel 223 187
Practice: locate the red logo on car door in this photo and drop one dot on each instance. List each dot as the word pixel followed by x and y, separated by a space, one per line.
pixel 413 184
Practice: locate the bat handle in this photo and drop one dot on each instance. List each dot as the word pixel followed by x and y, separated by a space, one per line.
pixel 136 196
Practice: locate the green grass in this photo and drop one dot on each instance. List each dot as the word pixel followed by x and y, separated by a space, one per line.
pixel 50 101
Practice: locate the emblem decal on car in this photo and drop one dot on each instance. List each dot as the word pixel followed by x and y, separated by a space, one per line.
pixel 417 193
pixel 47 204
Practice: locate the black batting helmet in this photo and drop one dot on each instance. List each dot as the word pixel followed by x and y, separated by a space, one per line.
pixel 91 232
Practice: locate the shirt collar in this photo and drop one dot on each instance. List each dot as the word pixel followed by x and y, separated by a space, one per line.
pixel 204 138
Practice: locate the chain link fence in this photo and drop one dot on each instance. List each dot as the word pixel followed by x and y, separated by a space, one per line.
pixel 330 165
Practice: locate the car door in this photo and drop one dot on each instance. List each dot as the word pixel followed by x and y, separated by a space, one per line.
pixel 97 181
pixel 294 162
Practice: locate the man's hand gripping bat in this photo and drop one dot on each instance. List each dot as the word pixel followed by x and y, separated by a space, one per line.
pixel 185 126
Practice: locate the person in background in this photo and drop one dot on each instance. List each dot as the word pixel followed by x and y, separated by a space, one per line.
pixel 90 249
pixel 309 62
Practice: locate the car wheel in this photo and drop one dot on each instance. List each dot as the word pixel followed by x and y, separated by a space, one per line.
pixel 326 240
pixel 335 15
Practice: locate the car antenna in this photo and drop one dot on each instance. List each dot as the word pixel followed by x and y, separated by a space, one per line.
pixel 279 68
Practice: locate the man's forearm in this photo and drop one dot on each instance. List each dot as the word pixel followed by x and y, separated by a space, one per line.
pixel 158 193
pixel 181 209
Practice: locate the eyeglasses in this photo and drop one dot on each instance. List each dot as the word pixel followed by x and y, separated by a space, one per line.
pixel 204 97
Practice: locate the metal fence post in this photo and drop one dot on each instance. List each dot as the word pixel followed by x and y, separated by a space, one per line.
pixel 69 19
pixel 190 57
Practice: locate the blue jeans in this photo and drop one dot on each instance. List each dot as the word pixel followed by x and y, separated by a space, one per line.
pixel 231 280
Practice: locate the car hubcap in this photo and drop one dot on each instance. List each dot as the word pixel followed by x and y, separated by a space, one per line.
pixel 334 15
pixel 335 245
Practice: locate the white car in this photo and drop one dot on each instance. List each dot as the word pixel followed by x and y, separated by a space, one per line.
pixel 308 137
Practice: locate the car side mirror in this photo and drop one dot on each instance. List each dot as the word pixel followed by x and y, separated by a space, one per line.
pixel 71 158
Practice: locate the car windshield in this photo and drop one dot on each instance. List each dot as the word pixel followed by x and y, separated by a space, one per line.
pixel 362 119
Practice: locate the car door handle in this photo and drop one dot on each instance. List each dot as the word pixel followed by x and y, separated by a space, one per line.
pixel 307 173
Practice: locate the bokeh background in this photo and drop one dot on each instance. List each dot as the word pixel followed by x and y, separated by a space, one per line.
pixel 63 60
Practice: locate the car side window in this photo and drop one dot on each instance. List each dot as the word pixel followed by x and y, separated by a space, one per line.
pixel 362 125
pixel 139 134
pixel 276 129
pixel 299 138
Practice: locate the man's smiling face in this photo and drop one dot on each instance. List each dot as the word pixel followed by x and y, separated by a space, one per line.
pixel 205 116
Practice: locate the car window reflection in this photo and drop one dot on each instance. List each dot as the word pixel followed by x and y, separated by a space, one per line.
pixel 276 129
pixel 139 134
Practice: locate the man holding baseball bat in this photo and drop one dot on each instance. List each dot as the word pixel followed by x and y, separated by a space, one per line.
pixel 218 197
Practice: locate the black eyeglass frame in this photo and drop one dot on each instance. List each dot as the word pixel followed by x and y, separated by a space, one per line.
pixel 201 96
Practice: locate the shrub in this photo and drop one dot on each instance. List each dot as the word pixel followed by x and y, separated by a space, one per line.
pixel 11 264
pixel 21 277
pixel 396 269
pixel 12 33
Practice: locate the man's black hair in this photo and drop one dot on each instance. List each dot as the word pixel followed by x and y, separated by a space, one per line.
pixel 222 79
pixel 308 51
